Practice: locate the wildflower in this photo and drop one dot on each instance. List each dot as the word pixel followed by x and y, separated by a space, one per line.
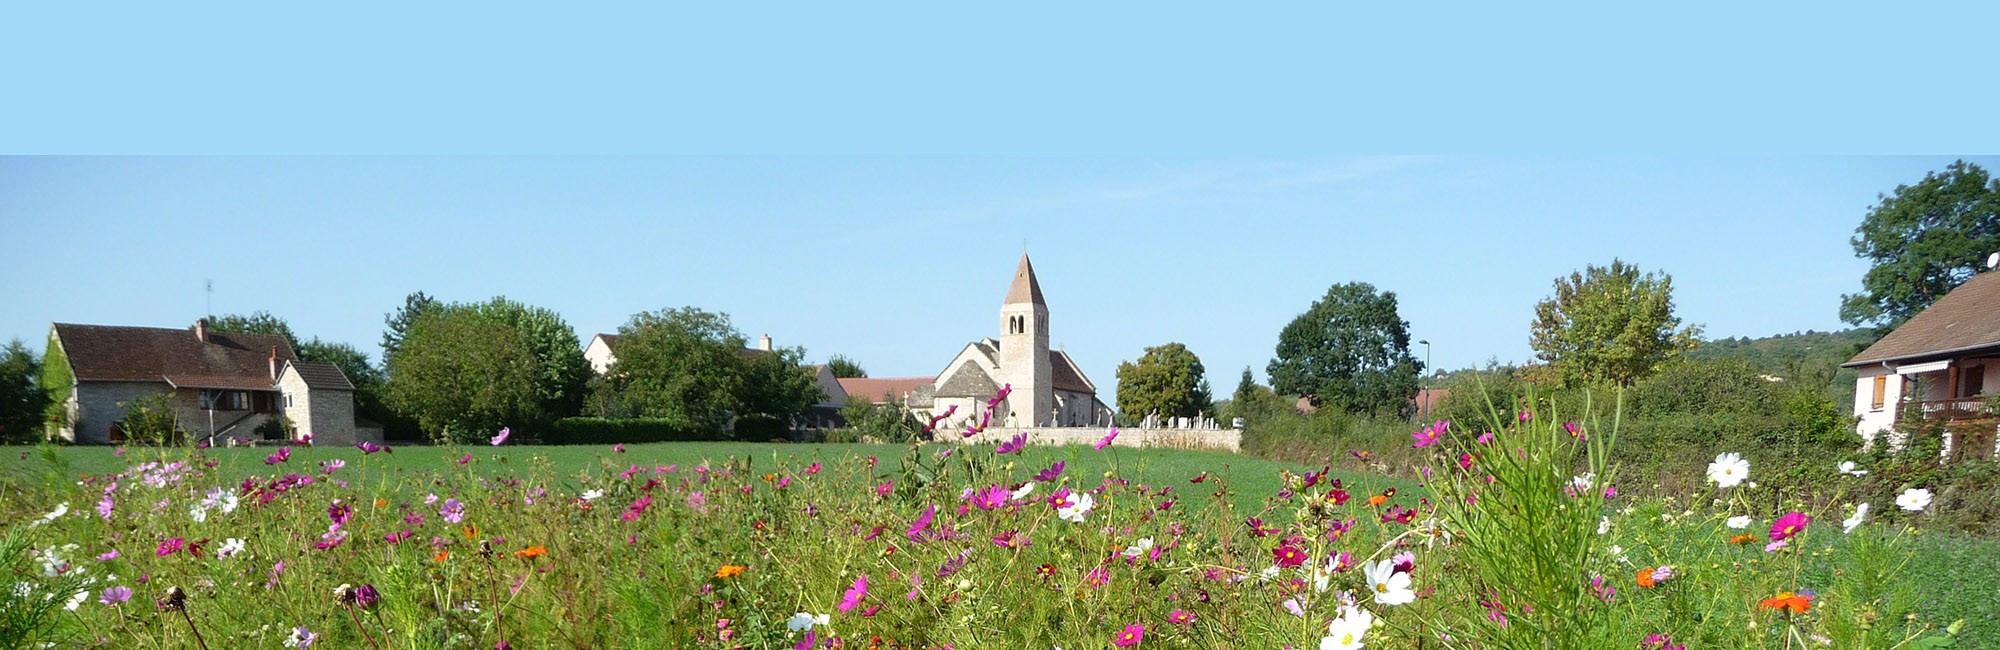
pixel 331 466
pixel 639 506
pixel 803 621
pixel 1797 603
pixel 367 447
pixel 1792 523
pixel 466 459
pixel 1743 538
pixel 339 513
pixel 171 547
pixel 333 536
pixel 592 495
pixel 1106 442
pixel 1774 546
pixel 229 547
pixel 1914 499
pixel 1849 468
pixel 1012 445
pixel 284 454
pixel 108 556
pixel 1424 438
pixel 1138 548
pixel 1026 489
pixel 1728 470
pixel 1288 556
pixel 1345 632
pixel 1075 511
pixel 1049 475
pixel 531 552
pixel 301 638
pixel 115 595
pixel 922 524
pixel 61 509
pixel 852 598
pixel 452 511
pixel 1132 635
pixel 1180 617
pixel 1738 522
pixel 1486 438
pixel 441 556
pixel 1849 524
pixel 502 438
pixel 1391 587
pixel 366 597
pixel 1012 540
pixel 991 497
pixel 730 571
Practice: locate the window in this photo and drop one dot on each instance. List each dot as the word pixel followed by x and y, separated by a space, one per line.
pixel 1971 381
pixel 288 400
pixel 1881 386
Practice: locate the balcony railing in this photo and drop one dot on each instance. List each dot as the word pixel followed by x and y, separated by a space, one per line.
pixel 1958 407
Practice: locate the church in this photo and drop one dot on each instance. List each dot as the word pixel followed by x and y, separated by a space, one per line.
pixel 1049 390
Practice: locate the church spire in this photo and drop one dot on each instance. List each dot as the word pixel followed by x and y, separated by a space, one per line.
pixel 1025 288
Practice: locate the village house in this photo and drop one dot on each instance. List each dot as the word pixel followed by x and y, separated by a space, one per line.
pixel 1942 365
pixel 221 387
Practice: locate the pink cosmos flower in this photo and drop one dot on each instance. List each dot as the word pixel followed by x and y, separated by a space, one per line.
pixel 502 438
pixel 339 512
pixel 1180 617
pixel 171 547
pixel 1791 524
pixel 852 598
pixel 1012 444
pixel 1050 474
pixel 1106 442
pixel 1486 438
pixel 452 511
pixel 465 459
pixel 812 469
pixel 923 523
pixel 884 489
pixel 115 595
pixel 618 448
pixel 284 454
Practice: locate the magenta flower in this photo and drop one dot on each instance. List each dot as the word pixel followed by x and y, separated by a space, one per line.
pixel 171 547
pixel 339 512
pixel 1050 474
pixel 1012 445
pixel 806 643
pixel 502 438
pixel 991 497
pixel 637 508
pixel 452 511
pixel 115 595
pixel 1106 442
pixel 284 454
pixel 465 459
pixel 1424 438
pixel 1791 524
pixel 922 524
pixel 852 598
pixel 331 466
pixel 884 489
pixel 618 448
pixel 367 447
pixel 1180 617
pixel 1132 635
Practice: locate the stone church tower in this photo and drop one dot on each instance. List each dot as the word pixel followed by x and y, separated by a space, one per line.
pixel 1024 350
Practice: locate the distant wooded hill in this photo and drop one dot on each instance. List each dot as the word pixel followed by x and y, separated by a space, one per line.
pixel 1800 356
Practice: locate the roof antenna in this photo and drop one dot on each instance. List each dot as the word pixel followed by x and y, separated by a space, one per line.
pixel 208 286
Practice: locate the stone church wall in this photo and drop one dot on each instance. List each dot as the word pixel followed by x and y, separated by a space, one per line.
pixel 1222 439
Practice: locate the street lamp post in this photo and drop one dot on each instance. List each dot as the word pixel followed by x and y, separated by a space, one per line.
pixel 1427 373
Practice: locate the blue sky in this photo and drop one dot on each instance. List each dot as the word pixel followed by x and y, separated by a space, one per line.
pixel 899 261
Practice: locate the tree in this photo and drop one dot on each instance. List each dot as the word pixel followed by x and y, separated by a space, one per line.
pixel 368 379
pixel 1167 380
pixel 1922 242
pixel 258 322
pixel 845 368
pixel 1350 350
pixel 414 305
pixel 23 403
pixel 1609 324
pixel 679 363
pixel 466 370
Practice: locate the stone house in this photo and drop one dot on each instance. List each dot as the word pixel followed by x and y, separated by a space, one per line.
pixel 219 386
pixel 1944 363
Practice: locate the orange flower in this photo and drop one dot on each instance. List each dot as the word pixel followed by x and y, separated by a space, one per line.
pixel 770 477
pixel 379 502
pixel 1745 538
pixel 441 556
pixel 730 571
pixel 531 552
pixel 1646 578
pixel 1796 603
pixel 471 531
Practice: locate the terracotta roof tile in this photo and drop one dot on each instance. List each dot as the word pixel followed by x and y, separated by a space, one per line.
pixel 1966 319
pixel 114 353
pixel 1026 289
pixel 322 376
pixel 874 389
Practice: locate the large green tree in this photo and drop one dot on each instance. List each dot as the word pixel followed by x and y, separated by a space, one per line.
pixel 1167 380
pixel 367 377
pixel 1609 324
pixel 1923 241
pixel 22 400
pixel 845 368
pixel 463 371
pixel 397 325
pixel 690 364
pixel 1350 350
pixel 258 322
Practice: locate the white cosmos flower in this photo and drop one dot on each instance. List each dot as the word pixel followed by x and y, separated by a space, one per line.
pixel 1603 525
pixel 802 621
pixel 1914 499
pixel 593 495
pixel 1139 547
pixel 1728 470
pixel 1860 512
pixel 1269 573
pixel 76 600
pixel 197 513
pixel 61 509
pixel 1345 633
pixel 1738 522
pixel 1391 587
pixel 1849 468
pixel 1077 508
pixel 1023 492
pixel 229 547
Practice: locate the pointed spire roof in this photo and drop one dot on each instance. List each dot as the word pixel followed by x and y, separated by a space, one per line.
pixel 1025 288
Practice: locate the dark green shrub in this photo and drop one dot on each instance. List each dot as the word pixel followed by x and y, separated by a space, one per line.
pixel 759 428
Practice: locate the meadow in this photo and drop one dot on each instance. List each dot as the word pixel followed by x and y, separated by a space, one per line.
pixel 1515 538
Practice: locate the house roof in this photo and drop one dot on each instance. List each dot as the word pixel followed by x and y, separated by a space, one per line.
pixel 228 382
pixel 322 375
pixel 1967 319
pixel 874 388
pixel 1065 375
pixel 1428 399
pixel 610 341
pixel 117 353
pixel 969 381
pixel 1025 288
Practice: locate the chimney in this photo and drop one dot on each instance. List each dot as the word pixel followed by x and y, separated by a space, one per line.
pixel 201 330
pixel 274 363
pixel 764 343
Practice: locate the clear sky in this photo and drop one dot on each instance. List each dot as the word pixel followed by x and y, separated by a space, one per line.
pixel 898 262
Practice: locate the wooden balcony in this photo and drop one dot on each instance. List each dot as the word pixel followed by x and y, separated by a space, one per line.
pixel 1958 408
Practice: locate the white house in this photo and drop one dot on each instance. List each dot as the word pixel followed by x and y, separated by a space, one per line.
pixel 1945 362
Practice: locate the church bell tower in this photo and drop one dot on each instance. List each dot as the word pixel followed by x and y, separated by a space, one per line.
pixel 1024 350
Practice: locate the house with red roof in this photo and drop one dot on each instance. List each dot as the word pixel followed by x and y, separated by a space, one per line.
pixel 1942 365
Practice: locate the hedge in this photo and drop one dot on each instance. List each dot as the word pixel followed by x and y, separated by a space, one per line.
pixel 606 431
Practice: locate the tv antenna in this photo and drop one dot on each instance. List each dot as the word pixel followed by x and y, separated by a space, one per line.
pixel 208 287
